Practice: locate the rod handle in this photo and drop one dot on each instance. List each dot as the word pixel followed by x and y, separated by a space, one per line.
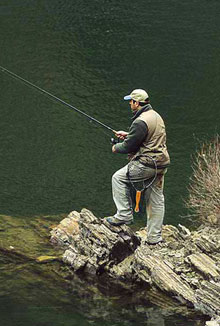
pixel 138 198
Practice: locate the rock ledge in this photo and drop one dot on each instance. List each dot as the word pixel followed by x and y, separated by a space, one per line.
pixel 186 267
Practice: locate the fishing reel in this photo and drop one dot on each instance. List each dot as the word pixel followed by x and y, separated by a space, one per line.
pixel 114 141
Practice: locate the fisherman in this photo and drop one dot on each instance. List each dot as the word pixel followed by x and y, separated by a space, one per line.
pixel 145 144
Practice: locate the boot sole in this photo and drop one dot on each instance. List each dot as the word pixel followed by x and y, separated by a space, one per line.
pixel 120 223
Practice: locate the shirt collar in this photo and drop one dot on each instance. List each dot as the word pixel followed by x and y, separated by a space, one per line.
pixel 143 109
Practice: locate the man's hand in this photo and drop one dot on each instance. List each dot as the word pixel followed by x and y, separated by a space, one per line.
pixel 113 149
pixel 121 134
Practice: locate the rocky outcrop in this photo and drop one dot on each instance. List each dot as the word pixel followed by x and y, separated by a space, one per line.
pixel 186 267
pixel 93 245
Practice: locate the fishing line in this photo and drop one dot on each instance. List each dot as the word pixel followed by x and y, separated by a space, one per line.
pixel 12 74
pixel 91 119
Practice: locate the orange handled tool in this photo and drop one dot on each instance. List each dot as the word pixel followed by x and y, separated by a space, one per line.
pixel 138 198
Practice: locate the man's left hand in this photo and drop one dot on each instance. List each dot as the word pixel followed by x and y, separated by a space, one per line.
pixel 113 149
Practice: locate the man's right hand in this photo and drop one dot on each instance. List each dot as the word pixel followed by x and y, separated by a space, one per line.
pixel 121 134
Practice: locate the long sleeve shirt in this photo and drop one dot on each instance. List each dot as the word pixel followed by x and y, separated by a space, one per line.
pixel 137 133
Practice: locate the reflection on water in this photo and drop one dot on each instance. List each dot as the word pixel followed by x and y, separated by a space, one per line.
pixel 51 293
pixel 37 293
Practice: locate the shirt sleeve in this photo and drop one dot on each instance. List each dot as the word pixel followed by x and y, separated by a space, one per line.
pixel 137 133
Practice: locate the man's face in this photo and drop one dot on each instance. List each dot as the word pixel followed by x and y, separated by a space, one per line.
pixel 134 105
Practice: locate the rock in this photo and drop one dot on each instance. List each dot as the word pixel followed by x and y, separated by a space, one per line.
pixel 208 240
pixel 184 232
pixel 152 269
pixel 93 245
pixel 46 259
pixel 74 215
pixel 76 261
pixel 205 265
pixel 212 323
pixel 213 219
pixel 88 217
pixel 124 269
pixel 69 227
pixel 186 268
pixel 169 233
pixel 208 298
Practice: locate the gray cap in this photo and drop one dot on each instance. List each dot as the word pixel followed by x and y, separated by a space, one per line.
pixel 139 95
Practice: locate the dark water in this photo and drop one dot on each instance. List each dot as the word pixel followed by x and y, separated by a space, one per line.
pixel 91 54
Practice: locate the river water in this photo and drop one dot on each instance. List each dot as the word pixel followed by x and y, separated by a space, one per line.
pixel 91 54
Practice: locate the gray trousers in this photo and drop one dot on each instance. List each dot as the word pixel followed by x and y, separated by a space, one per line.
pixel 154 197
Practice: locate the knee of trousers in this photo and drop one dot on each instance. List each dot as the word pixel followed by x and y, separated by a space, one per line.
pixel 120 177
pixel 157 201
pixel 156 197
pixel 115 178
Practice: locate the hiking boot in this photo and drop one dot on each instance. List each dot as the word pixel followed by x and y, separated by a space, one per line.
pixel 153 243
pixel 161 243
pixel 116 222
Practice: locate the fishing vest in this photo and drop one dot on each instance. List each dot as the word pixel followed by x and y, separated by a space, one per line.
pixel 154 146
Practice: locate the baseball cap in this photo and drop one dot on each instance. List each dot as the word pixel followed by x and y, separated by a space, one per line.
pixel 139 95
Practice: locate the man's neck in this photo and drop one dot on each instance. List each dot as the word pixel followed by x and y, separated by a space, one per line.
pixel 142 109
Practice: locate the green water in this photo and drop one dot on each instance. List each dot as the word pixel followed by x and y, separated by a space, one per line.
pixel 91 54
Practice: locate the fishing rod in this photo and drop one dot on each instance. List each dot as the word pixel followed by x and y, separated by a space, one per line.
pixel 12 74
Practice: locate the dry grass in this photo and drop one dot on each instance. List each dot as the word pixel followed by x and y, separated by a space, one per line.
pixel 204 189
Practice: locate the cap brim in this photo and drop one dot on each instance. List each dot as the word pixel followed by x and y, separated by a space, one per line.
pixel 127 98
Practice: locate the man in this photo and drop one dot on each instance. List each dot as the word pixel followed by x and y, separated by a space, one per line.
pixel 145 143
